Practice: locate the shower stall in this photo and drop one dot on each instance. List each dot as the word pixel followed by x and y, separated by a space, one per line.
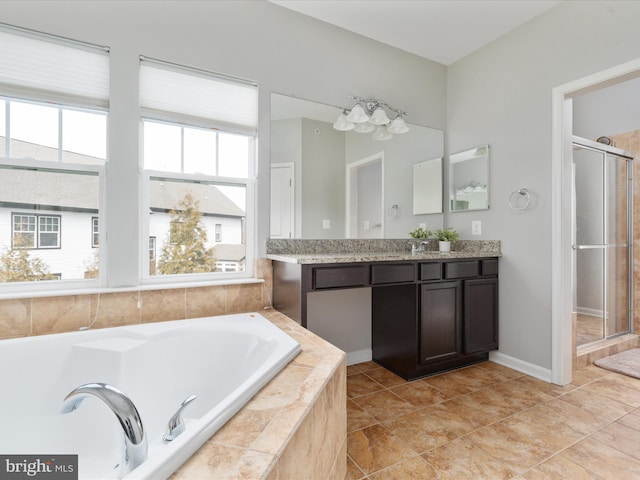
pixel 602 241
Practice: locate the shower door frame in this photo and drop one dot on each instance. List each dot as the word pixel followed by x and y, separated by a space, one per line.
pixel 607 150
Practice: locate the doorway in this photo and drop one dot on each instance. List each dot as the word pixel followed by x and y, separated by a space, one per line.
pixel 562 265
pixel 365 197
pixel 602 241
pixel 282 200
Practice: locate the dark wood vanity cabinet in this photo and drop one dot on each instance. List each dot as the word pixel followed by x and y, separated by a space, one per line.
pixel 428 316
pixel 452 322
pixel 439 322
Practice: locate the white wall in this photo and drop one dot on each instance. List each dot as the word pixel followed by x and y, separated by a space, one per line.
pixel 607 111
pixel 501 95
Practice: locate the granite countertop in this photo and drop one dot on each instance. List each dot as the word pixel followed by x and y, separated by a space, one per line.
pixel 315 258
pixel 381 250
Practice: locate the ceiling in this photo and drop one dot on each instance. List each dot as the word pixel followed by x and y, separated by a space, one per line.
pixel 440 30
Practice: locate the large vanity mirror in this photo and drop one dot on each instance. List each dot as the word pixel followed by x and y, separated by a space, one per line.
pixel 330 184
pixel 469 180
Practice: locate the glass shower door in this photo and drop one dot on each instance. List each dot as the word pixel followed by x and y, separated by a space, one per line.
pixel 601 244
pixel 617 251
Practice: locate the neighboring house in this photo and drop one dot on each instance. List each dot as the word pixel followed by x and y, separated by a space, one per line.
pixel 56 219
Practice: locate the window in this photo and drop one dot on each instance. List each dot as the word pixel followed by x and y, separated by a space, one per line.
pixel 53 134
pixel 95 233
pixel 36 231
pixel 199 150
pixel 152 249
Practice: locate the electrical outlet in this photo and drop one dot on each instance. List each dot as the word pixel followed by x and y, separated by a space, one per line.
pixel 422 226
pixel 476 227
pixel 365 225
pixel 326 224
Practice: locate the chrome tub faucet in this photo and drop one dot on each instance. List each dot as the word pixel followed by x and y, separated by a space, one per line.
pixel 135 441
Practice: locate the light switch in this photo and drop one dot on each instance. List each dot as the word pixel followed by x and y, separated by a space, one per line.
pixel 326 224
pixel 476 227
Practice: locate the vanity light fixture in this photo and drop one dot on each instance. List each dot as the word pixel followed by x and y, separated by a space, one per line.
pixel 370 115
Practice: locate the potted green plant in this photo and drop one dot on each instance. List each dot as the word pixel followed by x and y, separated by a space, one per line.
pixel 445 238
pixel 420 233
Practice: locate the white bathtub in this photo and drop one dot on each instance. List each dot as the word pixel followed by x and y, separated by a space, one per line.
pixel 223 360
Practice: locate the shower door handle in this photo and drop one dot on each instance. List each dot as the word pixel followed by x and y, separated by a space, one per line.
pixel 588 247
pixel 593 247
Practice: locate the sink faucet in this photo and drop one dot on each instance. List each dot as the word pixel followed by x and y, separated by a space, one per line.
pixel 135 441
pixel 419 248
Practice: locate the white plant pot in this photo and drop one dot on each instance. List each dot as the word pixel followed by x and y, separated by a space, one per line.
pixel 444 246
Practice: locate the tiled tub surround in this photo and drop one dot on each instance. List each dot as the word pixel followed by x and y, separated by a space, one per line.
pixel 294 428
pixel 68 313
pixel 276 435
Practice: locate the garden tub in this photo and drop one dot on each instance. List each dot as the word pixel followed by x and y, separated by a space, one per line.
pixel 223 361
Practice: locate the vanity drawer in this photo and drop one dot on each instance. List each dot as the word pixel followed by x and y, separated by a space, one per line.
pixel 394 273
pixel 431 271
pixel 489 267
pixel 339 276
pixel 454 270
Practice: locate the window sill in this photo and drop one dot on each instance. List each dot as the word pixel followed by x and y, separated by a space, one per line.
pixel 143 287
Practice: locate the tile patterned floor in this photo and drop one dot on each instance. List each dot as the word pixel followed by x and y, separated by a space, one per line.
pixel 490 422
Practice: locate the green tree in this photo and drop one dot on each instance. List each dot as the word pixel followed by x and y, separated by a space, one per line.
pixel 17 265
pixel 92 268
pixel 184 249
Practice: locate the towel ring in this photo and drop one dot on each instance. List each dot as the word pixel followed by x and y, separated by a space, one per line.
pixel 513 199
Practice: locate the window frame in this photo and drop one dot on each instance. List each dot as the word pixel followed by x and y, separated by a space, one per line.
pixel 247 183
pixel 37 232
pixel 95 232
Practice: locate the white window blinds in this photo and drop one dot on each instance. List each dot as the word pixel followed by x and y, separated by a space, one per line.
pixel 37 65
pixel 169 92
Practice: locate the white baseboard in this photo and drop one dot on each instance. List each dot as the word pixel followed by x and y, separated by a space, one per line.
pixel 521 366
pixel 592 312
pixel 359 356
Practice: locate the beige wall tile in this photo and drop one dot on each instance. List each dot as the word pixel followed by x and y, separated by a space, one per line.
pixel 205 301
pixel 243 298
pixel 115 309
pixel 60 314
pixel 162 305
pixel 297 460
pixel 15 318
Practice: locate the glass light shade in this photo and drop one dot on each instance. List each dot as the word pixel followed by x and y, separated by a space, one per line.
pixel 364 127
pixel 381 134
pixel 343 124
pixel 397 126
pixel 379 117
pixel 357 114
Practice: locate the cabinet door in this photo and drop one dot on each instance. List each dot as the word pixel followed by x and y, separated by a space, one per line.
pixel 480 315
pixel 439 321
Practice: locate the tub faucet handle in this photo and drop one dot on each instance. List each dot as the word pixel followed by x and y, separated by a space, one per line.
pixel 176 424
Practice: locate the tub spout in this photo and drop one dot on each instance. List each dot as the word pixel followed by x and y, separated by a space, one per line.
pixel 135 441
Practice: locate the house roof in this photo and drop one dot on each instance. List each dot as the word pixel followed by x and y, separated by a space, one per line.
pixel 225 251
pixel 77 192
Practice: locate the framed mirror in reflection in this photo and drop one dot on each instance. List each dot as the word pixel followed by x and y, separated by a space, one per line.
pixel 469 180
pixel 330 184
